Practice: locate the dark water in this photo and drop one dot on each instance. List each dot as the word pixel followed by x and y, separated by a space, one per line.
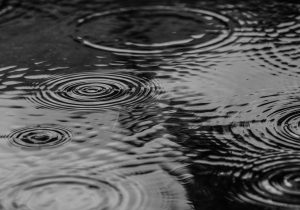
pixel 149 105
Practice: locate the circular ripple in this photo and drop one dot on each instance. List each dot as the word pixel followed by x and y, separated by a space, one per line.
pixel 287 121
pixel 276 130
pixel 270 121
pixel 94 91
pixel 40 136
pixel 67 192
pixel 154 30
pixel 271 180
pixel 77 192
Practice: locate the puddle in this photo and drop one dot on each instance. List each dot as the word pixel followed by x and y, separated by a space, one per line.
pixel 161 105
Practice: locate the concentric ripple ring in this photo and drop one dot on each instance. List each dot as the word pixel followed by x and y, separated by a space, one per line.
pixel 277 129
pixel 288 123
pixel 272 180
pixel 77 191
pixel 270 121
pixel 154 30
pixel 72 193
pixel 92 91
pixel 39 136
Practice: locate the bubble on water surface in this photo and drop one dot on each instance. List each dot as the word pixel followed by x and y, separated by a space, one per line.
pixel 154 30
pixel 40 136
pixel 92 91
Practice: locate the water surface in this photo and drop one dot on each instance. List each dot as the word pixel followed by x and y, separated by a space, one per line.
pixel 149 105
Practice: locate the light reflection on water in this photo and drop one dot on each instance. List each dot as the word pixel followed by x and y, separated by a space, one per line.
pixel 149 105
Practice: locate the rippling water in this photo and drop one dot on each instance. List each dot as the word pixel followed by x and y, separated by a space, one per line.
pixel 94 91
pixel 39 136
pixel 191 30
pixel 149 105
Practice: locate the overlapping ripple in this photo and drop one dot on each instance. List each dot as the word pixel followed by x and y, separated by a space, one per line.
pixel 154 30
pixel 40 136
pixel 71 192
pixel 272 43
pixel 270 121
pixel 107 191
pixel 276 58
pixel 94 91
pixel 272 179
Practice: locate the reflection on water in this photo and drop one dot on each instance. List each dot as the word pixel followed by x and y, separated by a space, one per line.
pixel 149 105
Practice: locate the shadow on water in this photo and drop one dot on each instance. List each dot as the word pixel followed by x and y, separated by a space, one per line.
pixel 149 105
